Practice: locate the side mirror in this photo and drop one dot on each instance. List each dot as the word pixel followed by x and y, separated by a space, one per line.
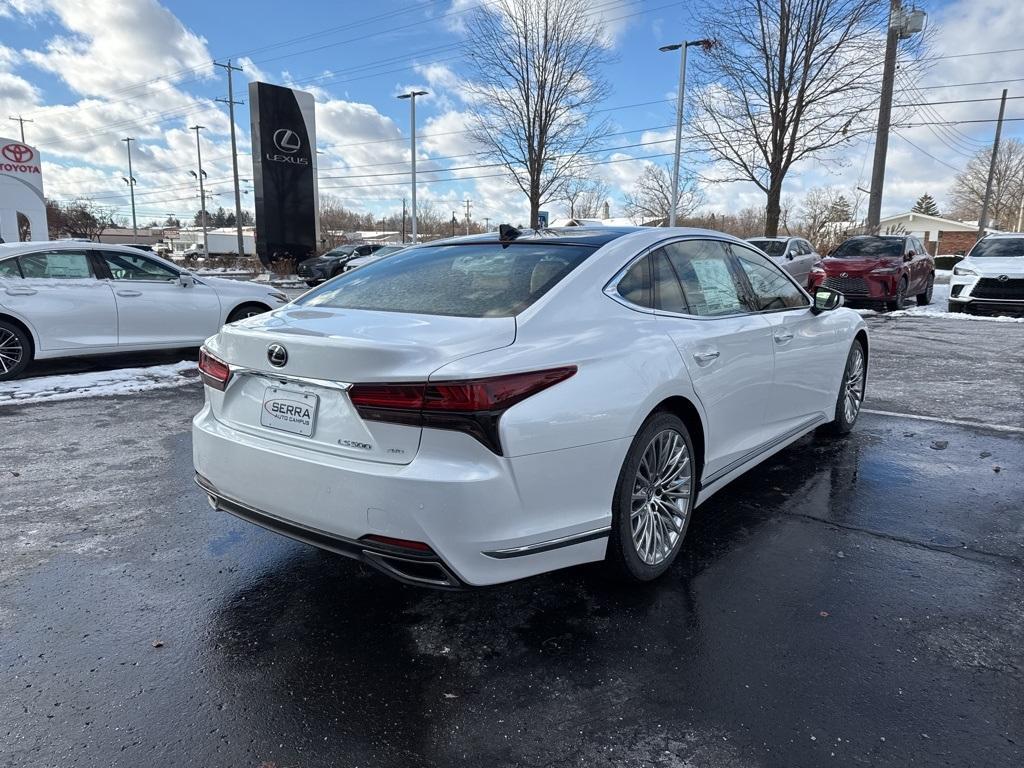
pixel 790 255
pixel 185 280
pixel 826 299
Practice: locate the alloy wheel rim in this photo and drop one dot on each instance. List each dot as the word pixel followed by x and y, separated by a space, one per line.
pixel 854 393
pixel 660 500
pixel 10 351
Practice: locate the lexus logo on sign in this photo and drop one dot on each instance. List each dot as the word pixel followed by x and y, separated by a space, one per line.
pixel 287 140
pixel 277 355
pixel 17 153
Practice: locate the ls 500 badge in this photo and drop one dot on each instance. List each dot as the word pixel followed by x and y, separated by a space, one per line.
pixel 355 444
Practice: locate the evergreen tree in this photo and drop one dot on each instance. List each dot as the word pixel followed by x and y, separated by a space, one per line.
pixel 926 204
pixel 840 210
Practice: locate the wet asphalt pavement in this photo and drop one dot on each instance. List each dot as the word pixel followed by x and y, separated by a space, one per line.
pixel 851 602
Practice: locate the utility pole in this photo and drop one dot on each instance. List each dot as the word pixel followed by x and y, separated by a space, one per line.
pixel 21 124
pixel 234 152
pixel 467 216
pixel 901 26
pixel 487 224
pixel 706 45
pixel 454 220
pixel 403 220
pixel 131 186
pixel 202 190
pixel 983 222
pixel 411 95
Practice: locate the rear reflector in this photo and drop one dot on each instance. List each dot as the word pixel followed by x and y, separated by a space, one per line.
pixel 214 371
pixel 472 406
pixel 416 546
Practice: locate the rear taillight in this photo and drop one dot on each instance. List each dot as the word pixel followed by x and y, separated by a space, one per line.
pixel 214 371
pixel 472 406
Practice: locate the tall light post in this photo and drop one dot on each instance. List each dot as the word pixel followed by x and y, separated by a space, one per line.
pixel 202 191
pixel 901 26
pixel 130 181
pixel 706 44
pixel 411 95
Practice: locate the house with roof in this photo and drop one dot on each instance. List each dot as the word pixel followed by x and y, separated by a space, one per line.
pixel 940 236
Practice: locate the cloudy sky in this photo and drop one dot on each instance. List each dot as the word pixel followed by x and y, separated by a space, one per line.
pixel 90 72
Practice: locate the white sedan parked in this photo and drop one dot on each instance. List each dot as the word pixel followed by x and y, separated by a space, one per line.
pixel 480 410
pixel 69 299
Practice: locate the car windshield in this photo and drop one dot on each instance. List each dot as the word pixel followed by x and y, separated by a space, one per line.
pixel 771 247
pixel 472 280
pixel 998 247
pixel 337 252
pixel 869 248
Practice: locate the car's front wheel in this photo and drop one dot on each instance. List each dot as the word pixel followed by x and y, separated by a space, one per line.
pixel 851 391
pixel 653 499
pixel 899 301
pixel 246 310
pixel 15 350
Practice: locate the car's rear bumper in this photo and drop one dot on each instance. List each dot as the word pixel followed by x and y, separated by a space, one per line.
pixel 487 518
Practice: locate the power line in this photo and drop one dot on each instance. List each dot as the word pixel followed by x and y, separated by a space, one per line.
pixel 926 152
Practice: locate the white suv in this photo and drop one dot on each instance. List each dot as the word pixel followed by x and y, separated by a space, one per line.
pixel 991 277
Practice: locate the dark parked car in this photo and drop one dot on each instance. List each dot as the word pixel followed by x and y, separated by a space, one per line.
pixel 878 269
pixel 332 263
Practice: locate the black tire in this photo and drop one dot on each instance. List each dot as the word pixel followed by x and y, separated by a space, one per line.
pixel 15 350
pixel 926 297
pixel 900 300
pixel 623 555
pixel 312 283
pixel 246 310
pixel 842 423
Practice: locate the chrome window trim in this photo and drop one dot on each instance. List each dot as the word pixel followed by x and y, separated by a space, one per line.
pixel 611 288
pixel 284 378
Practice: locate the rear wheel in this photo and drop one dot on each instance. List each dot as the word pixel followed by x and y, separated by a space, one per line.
pixel 15 350
pixel 926 297
pixel 900 300
pixel 851 391
pixel 653 499
pixel 246 310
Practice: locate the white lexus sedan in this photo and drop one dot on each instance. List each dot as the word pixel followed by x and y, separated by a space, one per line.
pixel 74 298
pixel 487 408
pixel 991 278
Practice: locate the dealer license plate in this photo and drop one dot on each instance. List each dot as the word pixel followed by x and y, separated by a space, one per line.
pixel 289 411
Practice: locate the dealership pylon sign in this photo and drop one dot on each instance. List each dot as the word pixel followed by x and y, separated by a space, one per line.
pixel 21 192
pixel 284 164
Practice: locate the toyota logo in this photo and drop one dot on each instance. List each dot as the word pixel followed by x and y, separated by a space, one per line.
pixel 277 355
pixel 1003 278
pixel 287 140
pixel 17 153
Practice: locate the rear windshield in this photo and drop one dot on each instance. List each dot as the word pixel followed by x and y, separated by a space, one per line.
pixel 771 247
pixel 1010 246
pixel 478 280
pixel 868 248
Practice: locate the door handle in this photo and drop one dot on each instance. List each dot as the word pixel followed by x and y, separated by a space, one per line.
pixel 21 291
pixel 129 293
pixel 705 357
pixel 783 337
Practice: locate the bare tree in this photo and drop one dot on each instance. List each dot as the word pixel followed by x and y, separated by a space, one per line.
pixel 535 79
pixel 651 199
pixel 968 188
pixel 787 80
pixel 825 217
pixel 585 195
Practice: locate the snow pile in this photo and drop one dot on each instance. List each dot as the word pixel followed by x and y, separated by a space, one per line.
pixel 95 383
pixel 938 308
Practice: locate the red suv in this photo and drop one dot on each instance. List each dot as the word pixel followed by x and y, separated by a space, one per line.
pixel 878 268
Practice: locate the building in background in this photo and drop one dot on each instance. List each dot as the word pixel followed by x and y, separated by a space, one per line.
pixel 940 236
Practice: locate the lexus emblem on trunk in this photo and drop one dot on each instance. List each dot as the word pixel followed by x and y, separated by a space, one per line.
pixel 277 355
pixel 1003 278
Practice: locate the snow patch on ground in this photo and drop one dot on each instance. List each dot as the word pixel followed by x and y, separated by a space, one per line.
pixel 72 386
pixel 938 307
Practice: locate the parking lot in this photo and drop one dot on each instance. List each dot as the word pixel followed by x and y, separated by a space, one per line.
pixel 850 602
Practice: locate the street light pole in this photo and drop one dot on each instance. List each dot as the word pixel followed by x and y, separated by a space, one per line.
pixel 131 186
pixel 234 153
pixel 202 190
pixel 706 44
pixel 411 95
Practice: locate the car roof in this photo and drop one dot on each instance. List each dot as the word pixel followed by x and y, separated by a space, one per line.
pixel 591 236
pixel 1003 236
pixel 774 237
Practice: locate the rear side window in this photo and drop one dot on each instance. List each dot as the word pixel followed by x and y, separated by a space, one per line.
pixel 9 268
pixel 635 285
pixel 56 265
pixel 479 280
pixel 668 295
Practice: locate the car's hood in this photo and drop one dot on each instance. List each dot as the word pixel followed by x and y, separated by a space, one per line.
pixel 857 266
pixel 993 266
pixel 226 285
